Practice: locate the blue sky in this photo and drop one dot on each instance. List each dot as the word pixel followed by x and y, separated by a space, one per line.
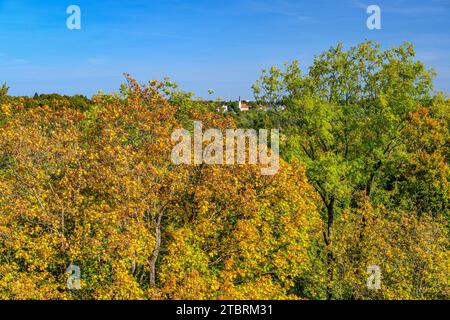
pixel 200 44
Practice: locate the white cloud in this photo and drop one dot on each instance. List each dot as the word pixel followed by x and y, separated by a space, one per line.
pixel 407 8
pixel 98 60
pixel 284 8
pixel 15 62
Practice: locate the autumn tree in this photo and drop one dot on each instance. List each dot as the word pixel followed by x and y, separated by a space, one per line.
pixel 411 252
pixel 362 120
pixel 97 188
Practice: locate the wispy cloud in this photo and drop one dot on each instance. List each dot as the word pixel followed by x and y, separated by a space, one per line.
pixel 437 7
pixel 98 60
pixel 15 62
pixel 431 55
pixel 283 8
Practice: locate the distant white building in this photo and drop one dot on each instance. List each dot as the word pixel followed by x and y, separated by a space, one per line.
pixel 243 105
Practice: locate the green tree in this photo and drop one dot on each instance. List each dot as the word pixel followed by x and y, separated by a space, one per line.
pixel 3 91
pixel 350 121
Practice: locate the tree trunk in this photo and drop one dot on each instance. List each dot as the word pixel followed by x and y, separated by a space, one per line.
pixel 156 251
pixel 328 241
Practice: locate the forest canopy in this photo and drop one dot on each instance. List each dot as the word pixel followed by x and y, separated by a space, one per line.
pixel 363 181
